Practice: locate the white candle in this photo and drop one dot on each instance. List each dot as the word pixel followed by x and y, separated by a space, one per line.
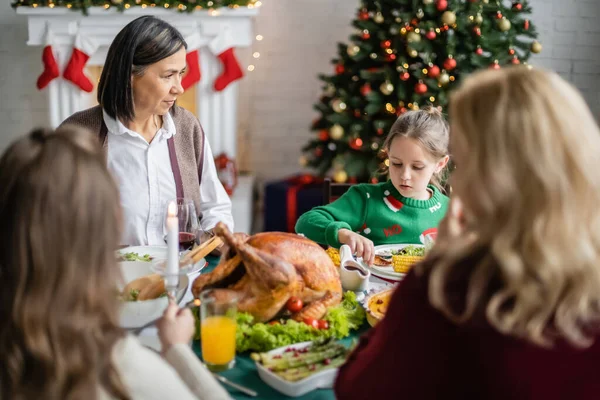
pixel 172 244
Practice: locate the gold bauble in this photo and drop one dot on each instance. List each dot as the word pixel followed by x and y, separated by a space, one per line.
pixel 413 37
pixel 340 176
pixel 444 79
pixel 352 50
pixel 504 24
pixel 338 105
pixel 386 88
pixel 536 47
pixel 412 52
pixel 479 19
pixel 485 1
pixel 378 18
pixel 303 161
pixel 336 132
pixel 420 13
pixel 427 2
pixel 449 18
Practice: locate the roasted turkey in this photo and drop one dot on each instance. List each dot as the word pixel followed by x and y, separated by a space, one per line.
pixel 266 269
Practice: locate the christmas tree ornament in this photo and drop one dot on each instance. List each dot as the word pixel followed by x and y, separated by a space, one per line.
pixel 336 132
pixel 427 2
pixel 517 6
pixel 373 56
pixel 51 70
pixel 449 18
pixel 329 90
pixel 511 51
pixel 478 19
pixel 323 135
pixel 431 34
pixel 433 71
pixel 444 78
pixel 393 30
pixel 193 74
pixel 504 24
pixel 223 47
pixel 420 88
pixel 303 161
pixel 477 31
pixel 386 44
pixel 441 5
pixel 449 63
pixel 401 110
pixel 379 132
pixel 498 15
pixel 363 15
pixel 340 69
pixel 332 146
pixel 365 35
pixel 485 1
pixel 318 152
pixel 412 52
pixel 404 76
pixel 386 88
pixel 340 176
pixel 365 89
pixel 536 47
pixel 379 18
pixel 84 47
pixel 420 13
pixel 495 65
pixel 352 50
pixel 355 78
pixel 515 60
pixel 356 143
pixel 390 57
pixel 526 25
pixel 374 180
pixel 479 51
pixel 357 113
pixel 338 105
pixel 413 37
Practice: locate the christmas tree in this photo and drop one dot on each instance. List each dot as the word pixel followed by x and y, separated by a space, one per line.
pixel 406 54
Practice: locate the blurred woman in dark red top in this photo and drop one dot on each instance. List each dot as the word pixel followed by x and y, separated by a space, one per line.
pixel 507 303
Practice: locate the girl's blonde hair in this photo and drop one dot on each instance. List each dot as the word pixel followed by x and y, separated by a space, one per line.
pixel 427 126
pixel 530 185
pixel 60 215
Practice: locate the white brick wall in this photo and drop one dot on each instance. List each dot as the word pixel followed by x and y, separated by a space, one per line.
pixel 300 39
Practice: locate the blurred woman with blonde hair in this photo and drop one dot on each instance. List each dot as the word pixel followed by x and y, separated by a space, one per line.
pixel 59 335
pixel 507 303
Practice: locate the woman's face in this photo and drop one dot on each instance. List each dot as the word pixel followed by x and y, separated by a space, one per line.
pixel 156 90
pixel 411 167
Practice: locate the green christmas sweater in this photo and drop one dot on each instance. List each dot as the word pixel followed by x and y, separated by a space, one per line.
pixel 378 212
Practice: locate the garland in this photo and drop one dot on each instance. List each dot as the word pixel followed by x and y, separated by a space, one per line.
pixel 122 5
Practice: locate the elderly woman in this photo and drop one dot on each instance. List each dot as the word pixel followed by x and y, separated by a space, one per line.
pixel 156 150
pixel 507 304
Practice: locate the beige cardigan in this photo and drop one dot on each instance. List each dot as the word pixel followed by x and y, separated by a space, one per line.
pixel 186 148
pixel 148 376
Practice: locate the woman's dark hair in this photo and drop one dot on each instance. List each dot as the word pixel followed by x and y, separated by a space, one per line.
pixel 142 42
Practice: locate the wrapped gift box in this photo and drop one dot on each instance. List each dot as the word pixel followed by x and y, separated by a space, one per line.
pixel 286 200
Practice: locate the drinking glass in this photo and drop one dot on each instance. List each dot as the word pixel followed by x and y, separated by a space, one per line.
pixel 217 328
pixel 188 223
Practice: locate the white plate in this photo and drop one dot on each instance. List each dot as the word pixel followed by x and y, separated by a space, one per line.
pixel 319 380
pixel 135 314
pixel 157 253
pixel 388 273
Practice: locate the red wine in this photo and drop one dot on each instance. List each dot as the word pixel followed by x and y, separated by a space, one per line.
pixel 186 240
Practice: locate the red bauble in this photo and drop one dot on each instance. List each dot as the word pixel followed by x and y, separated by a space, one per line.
pixel 515 60
pixel 363 15
pixel 357 113
pixel 339 69
pixel 420 88
pixel 401 110
pixel 526 25
pixel 433 71
pixel 380 131
pixel 449 64
pixel 352 179
pixel 374 180
pixel 518 6
pixel 390 57
pixel 386 44
pixel 495 66
pixel 365 89
pixel 366 35
pixel 414 22
pixel 441 5
pixel 323 135
pixel 318 152
pixel 356 144
pixel 479 51
pixel 511 51
pixel 431 35
pixel 498 15
pixel 404 76
pixel 477 31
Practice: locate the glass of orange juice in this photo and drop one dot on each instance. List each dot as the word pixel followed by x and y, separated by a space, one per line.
pixel 217 328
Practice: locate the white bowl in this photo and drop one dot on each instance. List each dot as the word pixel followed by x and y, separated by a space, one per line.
pixel 135 314
pixel 319 380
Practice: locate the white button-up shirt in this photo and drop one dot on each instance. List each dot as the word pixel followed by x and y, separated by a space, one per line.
pixel 146 183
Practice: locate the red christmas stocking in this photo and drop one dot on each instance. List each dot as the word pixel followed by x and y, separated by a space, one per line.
pixel 50 65
pixel 193 74
pixel 222 47
pixel 83 49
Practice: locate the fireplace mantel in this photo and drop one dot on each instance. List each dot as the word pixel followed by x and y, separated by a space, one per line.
pixel 217 111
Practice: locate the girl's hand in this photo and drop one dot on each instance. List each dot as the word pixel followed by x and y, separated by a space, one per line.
pixel 360 245
pixel 176 326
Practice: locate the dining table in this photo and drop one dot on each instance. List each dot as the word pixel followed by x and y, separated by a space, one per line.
pixel 244 371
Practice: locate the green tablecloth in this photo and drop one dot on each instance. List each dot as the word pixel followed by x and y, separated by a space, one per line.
pixel 245 372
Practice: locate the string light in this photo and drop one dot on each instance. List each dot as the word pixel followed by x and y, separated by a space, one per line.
pixel 259 37
pixel 250 67
pixel 256 54
pixel 121 5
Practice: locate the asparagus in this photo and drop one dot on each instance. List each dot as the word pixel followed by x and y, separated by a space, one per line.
pixel 294 359
pixel 296 374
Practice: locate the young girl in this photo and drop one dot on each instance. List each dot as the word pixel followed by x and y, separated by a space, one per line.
pixel 401 210
pixel 59 336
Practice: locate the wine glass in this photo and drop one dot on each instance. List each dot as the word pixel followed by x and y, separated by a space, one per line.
pixel 188 223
